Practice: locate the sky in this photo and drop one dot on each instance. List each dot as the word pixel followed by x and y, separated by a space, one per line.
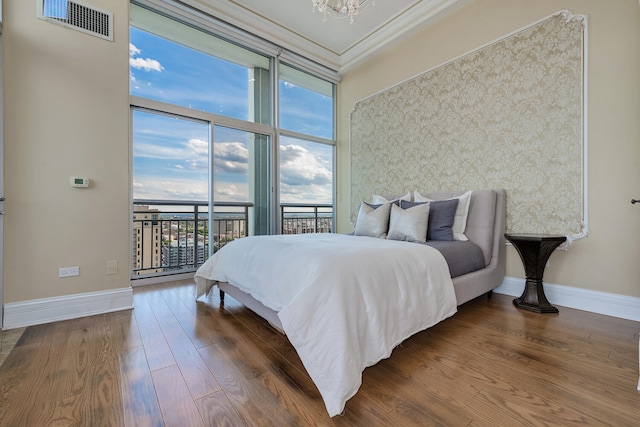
pixel 171 155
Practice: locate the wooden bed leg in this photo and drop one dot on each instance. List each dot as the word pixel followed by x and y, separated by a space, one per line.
pixel 490 294
pixel 221 297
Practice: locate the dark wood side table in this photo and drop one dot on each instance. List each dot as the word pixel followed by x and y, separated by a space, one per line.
pixel 534 250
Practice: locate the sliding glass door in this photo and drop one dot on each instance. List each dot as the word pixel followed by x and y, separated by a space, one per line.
pixel 240 184
pixel 199 181
pixel 170 188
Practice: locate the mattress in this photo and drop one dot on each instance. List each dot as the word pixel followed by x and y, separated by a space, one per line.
pixel 462 257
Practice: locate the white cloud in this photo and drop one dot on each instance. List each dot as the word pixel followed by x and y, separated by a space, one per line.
pixel 133 51
pixel 230 157
pixel 194 150
pixel 170 189
pixel 306 193
pixel 227 192
pixel 157 188
pixel 147 64
pixel 298 166
pixel 159 152
pixel 198 146
pixel 305 176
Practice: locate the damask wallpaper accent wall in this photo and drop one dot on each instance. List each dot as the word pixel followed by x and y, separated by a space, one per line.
pixel 508 115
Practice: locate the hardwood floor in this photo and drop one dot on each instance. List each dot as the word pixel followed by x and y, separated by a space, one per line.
pixel 174 362
pixel 8 340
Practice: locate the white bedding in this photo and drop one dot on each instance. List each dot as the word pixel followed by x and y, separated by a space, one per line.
pixel 344 301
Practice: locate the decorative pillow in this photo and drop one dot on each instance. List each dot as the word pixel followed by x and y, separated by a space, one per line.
pixel 462 211
pixel 387 199
pixel 442 214
pixel 372 221
pixel 409 224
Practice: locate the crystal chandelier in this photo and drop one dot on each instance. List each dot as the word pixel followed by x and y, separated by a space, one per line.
pixel 340 8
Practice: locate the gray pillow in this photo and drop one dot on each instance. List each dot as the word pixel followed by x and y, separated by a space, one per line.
pixel 373 220
pixel 460 222
pixel 409 224
pixel 442 213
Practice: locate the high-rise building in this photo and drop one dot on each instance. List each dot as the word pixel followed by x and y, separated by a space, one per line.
pixel 147 241
pixel 185 253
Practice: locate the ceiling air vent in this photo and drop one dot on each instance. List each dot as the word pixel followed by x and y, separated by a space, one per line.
pixel 78 16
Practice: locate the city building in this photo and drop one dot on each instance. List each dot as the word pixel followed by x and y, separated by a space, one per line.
pixel 147 241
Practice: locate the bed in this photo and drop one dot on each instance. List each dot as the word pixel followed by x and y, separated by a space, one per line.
pixel 345 301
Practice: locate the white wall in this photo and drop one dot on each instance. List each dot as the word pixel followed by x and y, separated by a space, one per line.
pixel 66 113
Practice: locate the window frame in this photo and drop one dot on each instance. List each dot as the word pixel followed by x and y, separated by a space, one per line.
pixel 278 56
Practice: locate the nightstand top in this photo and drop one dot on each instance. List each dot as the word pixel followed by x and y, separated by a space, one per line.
pixel 535 237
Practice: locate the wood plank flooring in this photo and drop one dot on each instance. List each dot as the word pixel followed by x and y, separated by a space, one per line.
pixel 8 340
pixel 174 362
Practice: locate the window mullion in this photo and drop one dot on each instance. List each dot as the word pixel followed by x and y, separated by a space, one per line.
pixel 190 114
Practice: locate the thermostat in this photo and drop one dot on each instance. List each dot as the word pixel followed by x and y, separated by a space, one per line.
pixel 76 181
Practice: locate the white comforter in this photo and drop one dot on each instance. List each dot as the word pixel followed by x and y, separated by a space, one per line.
pixel 344 301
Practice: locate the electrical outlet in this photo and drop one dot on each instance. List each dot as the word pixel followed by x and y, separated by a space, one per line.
pixel 112 266
pixel 68 271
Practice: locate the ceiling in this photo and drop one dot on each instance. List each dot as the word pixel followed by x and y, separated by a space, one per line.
pixel 335 43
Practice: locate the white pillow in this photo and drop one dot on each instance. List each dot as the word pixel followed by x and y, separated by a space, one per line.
pixel 372 222
pixel 462 211
pixel 378 200
pixel 409 224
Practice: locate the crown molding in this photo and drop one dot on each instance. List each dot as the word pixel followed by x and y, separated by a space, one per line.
pixel 269 31
pixel 418 16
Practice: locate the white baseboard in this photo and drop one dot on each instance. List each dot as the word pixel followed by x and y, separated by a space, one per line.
pixel 624 307
pixel 47 310
pixel 135 282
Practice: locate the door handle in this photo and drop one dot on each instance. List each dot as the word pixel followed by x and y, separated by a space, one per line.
pixel 633 201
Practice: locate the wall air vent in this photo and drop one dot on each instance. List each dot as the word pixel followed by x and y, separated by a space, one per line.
pixel 78 16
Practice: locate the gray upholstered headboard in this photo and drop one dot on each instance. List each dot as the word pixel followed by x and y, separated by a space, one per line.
pixel 486 225
pixel 486 219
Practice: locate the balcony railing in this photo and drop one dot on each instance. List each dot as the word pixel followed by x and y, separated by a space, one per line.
pixel 299 218
pixel 171 237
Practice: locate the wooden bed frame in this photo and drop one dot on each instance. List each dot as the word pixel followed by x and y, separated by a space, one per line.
pixel 485 226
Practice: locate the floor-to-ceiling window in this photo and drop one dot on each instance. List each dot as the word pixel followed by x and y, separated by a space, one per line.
pixel 211 161
pixel 306 151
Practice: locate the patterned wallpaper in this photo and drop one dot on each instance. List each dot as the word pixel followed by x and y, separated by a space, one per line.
pixel 509 115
